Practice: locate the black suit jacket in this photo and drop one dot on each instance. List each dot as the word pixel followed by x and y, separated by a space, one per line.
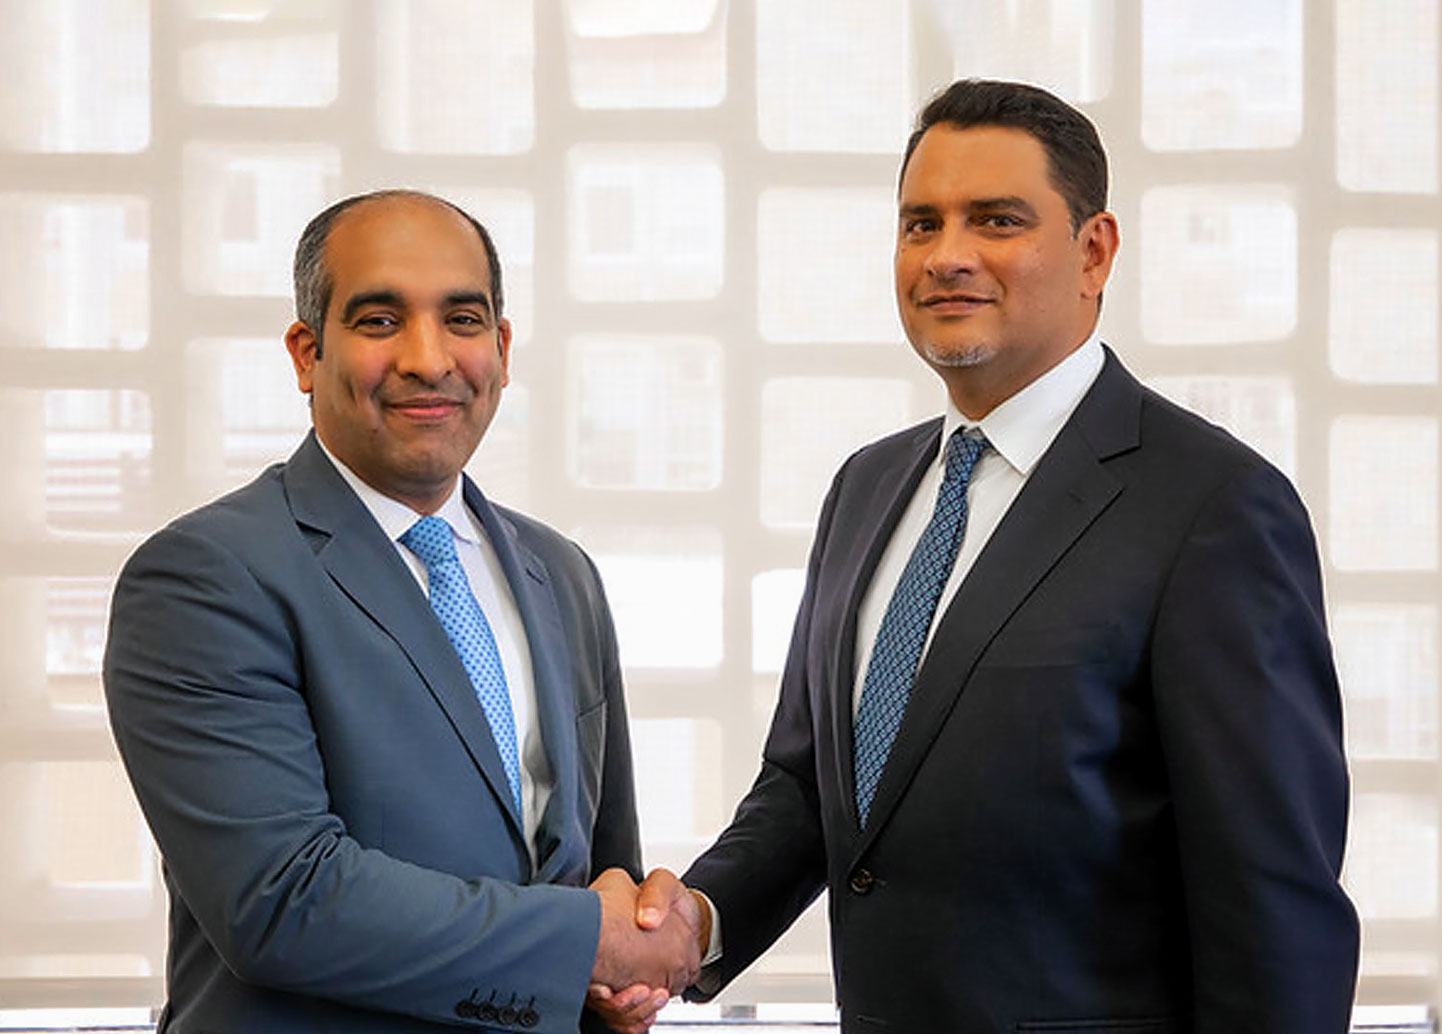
pixel 340 843
pixel 1117 800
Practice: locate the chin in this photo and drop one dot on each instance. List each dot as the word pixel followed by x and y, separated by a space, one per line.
pixel 956 356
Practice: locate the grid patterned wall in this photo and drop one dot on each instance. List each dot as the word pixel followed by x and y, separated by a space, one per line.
pixel 693 202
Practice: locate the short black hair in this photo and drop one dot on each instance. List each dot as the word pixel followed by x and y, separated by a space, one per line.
pixel 1076 161
pixel 313 281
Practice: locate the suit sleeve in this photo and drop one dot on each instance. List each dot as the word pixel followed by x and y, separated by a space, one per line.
pixel 1249 714
pixel 769 864
pixel 203 683
pixel 616 835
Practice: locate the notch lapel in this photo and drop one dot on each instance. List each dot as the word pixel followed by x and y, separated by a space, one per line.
pixel 560 841
pixel 363 561
pixel 1067 491
pixel 890 492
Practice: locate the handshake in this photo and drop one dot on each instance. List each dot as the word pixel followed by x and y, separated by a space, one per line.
pixel 653 938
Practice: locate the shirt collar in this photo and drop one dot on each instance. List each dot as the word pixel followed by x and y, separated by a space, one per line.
pixel 1023 427
pixel 395 517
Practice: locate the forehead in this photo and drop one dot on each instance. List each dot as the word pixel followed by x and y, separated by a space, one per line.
pixel 410 246
pixel 954 164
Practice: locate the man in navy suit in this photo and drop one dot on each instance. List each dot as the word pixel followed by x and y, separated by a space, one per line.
pixel 1110 796
pixel 352 841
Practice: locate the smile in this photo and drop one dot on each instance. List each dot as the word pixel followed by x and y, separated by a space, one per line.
pixel 954 303
pixel 431 409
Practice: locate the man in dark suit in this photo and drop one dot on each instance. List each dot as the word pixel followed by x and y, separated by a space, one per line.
pixel 1082 772
pixel 381 765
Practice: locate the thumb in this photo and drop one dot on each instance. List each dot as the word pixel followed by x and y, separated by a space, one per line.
pixel 658 896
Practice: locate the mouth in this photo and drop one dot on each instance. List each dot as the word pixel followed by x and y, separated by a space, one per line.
pixel 954 302
pixel 425 409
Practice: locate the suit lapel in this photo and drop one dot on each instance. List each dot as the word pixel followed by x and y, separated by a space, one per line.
pixel 890 493
pixel 530 584
pixel 1067 491
pixel 363 561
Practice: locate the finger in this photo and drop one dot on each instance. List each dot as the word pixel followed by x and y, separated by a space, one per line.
pixel 660 892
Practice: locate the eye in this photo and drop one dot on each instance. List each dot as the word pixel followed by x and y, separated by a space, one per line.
pixel 1002 222
pixel 920 225
pixel 375 323
pixel 467 321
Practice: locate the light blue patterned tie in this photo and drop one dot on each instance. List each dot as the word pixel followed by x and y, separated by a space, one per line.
pixel 430 538
pixel 904 627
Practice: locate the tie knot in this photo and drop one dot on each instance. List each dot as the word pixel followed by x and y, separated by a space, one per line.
pixel 962 452
pixel 430 539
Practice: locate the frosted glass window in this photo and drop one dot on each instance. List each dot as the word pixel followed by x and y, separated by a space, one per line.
pixel 1221 74
pixel 1387 660
pixel 1384 306
pixel 1383 501
pixel 823 266
pixel 677 792
pixel 812 424
pixel 502 466
pixel 247 411
pixel 90 810
pixel 77 76
pixel 1261 411
pixel 509 216
pixel 1391 865
pixel 245 205
pixel 833 75
pixel 775 596
pixel 647 54
pixel 664 586
pixel 1218 264
pixel 285 71
pixel 646 413
pixel 647 221
pixel 478 56
pixel 74 271
pixel 1062 45
pixel 97 460
pixel 1387 95
pixel 76 609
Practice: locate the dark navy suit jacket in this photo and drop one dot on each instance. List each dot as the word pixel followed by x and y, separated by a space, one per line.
pixel 1117 801
pixel 339 840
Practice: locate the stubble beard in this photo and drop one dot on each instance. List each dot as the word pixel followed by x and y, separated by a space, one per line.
pixel 956 358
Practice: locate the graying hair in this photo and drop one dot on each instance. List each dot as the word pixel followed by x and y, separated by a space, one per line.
pixel 313 281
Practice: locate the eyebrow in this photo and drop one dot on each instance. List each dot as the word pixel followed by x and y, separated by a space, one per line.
pixel 356 302
pixel 1005 203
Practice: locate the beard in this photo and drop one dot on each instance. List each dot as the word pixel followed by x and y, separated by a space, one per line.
pixel 956 358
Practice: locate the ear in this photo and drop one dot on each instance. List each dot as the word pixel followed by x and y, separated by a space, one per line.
pixel 301 343
pixel 503 343
pixel 1099 238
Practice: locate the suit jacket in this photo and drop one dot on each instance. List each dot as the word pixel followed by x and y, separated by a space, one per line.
pixel 1117 799
pixel 339 840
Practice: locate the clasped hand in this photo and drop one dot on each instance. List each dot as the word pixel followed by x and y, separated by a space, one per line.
pixel 652 940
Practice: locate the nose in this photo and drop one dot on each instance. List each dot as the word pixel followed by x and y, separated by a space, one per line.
pixel 423 351
pixel 953 253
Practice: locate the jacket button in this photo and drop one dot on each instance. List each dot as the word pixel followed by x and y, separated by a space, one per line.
pixel 862 881
pixel 466 1009
pixel 507 1015
pixel 486 1012
pixel 528 1018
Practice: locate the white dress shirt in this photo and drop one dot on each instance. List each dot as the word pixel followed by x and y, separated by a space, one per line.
pixel 493 593
pixel 1020 430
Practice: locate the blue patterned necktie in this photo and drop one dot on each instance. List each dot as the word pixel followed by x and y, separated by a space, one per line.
pixel 430 538
pixel 904 627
